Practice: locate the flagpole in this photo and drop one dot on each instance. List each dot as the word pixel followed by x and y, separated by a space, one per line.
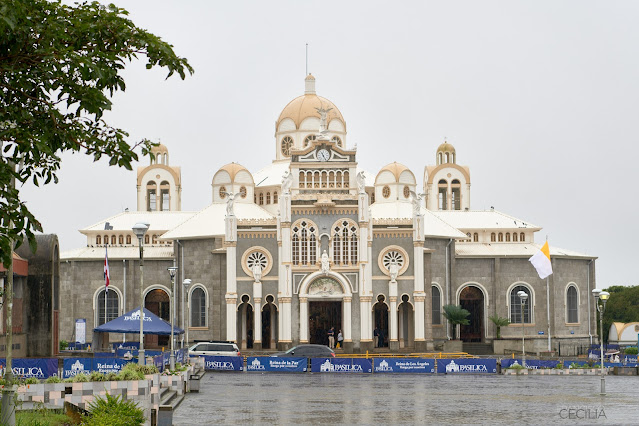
pixel 106 281
pixel 548 309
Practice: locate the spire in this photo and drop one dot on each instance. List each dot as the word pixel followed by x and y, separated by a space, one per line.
pixel 309 85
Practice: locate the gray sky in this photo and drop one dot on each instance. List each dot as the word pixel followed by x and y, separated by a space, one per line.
pixel 539 98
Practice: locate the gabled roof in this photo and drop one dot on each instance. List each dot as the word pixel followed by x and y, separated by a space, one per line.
pixel 118 253
pixel 210 221
pixel 124 221
pixel 403 210
pixel 524 250
pixel 483 219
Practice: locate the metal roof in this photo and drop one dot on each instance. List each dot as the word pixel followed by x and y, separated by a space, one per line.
pixel 483 219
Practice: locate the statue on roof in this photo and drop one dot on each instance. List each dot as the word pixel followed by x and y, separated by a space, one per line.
pixel 361 182
pixel 229 203
pixel 417 202
pixel 323 127
pixel 287 182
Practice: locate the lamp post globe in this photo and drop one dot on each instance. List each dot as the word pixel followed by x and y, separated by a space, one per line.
pixel 172 271
pixel 523 296
pixel 186 283
pixel 139 229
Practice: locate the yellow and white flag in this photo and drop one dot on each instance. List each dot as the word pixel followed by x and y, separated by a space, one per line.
pixel 541 261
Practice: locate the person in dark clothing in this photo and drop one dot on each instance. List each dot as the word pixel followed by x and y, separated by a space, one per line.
pixel 376 337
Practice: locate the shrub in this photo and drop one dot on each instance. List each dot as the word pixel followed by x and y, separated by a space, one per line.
pixel 80 378
pixel 149 369
pixel 96 376
pixel 53 379
pixel 32 381
pixel 113 411
pixel 516 367
pixel 559 366
pixel 63 345
pixel 111 377
pixel 130 374
pixel 631 350
pixel 68 380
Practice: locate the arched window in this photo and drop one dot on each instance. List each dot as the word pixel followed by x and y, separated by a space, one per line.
pixel 146 241
pixel 500 237
pixel 442 194
pixel 98 240
pixel 287 144
pixel 243 191
pixel 106 240
pixel 406 192
pixel 308 139
pixel 113 240
pixel 121 239
pixel 151 196
pixel 475 237
pixel 128 241
pixel 261 198
pixel 492 237
pixel 515 305
pixel 154 240
pixel 572 304
pixel 275 197
pixel 112 308
pixel 304 243
pixel 386 191
pixel 198 307
pixel 436 305
pixel 165 199
pixel 345 243
pixel 337 140
pixel 268 198
pixel 507 237
pixel 514 236
pixel 522 237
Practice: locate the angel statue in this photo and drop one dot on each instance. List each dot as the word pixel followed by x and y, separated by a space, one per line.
pixel 323 112
pixel 287 182
pixel 393 271
pixel 325 263
pixel 417 202
pixel 361 182
pixel 229 203
pixel 257 271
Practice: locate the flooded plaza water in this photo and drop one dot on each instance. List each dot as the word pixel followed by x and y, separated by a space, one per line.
pixel 401 398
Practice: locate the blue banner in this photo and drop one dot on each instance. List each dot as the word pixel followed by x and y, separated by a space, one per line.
pixel 40 368
pixel 126 345
pixel 104 354
pixel 467 365
pixel 224 363
pixel 273 363
pixel 123 353
pixel 533 364
pixel 341 365
pixel 158 361
pixel 74 366
pixel 109 365
pixel 179 355
pixel 404 365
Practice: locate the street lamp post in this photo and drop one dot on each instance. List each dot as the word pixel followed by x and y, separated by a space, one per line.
pixel 523 296
pixel 186 284
pixel 172 271
pixel 140 229
pixel 603 296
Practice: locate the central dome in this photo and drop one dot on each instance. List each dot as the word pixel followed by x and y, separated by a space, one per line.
pixel 304 106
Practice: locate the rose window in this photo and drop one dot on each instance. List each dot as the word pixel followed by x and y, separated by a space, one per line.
pixel 393 257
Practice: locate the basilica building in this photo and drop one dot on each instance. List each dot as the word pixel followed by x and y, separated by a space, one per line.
pixel 313 241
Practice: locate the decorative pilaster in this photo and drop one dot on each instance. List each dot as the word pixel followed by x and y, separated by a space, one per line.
pixel 392 320
pixel 303 320
pixel 285 330
pixel 347 319
pixel 419 299
pixel 231 327
pixel 257 323
pixel 230 241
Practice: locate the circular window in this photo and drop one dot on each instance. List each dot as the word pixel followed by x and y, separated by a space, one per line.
pixel 222 192
pixel 393 255
pixel 257 256
pixel 243 192
pixel 386 191
pixel 406 192
pixel 337 140
pixel 309 139
pixel 287 144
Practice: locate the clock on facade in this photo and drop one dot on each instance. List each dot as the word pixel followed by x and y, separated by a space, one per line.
pixel 323 155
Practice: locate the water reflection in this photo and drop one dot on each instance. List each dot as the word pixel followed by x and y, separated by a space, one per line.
pixel 396 398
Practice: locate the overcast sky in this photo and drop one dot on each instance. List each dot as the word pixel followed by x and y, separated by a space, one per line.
pixel 539 98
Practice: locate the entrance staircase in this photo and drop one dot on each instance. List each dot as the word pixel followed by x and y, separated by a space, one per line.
pixel 476 348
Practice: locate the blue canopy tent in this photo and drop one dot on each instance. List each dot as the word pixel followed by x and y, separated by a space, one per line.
pixel 130 323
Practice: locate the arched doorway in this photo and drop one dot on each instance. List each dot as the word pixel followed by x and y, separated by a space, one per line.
pixel 269 324
pixel 324 309
pixel 245 323
pixel 380 322
pixel 405 323
pixel 472 299
pixel 158 302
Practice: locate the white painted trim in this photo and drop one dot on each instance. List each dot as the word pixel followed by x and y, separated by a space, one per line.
pixel 95 301
pixel 533 304
pixel 306 282
pixel 206 303
pixel 157 287
pixel 486 303
pixel 571 284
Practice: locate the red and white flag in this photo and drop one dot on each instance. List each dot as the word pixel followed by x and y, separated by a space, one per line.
pixel 107 278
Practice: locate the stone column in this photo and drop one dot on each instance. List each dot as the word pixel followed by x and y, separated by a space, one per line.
pixel 257 324
pixel 285 332
pixel 365 308
pixel 392 316
pixel 303 320
pixel 230 241
pixel 243 311
pixel 419 296
pixel 347 319
pixel 231 318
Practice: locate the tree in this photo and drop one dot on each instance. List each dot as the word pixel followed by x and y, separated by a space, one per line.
pixel 455 315
pixel 499 323
pixel 622 306
pixel 59 67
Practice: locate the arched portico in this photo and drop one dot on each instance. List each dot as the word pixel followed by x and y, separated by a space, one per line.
pixel 329 297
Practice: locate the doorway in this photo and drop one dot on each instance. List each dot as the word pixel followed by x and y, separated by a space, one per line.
pixel 323 316
pixel 380 322
pixel 472 299
pixel 157 301
pixel 269 324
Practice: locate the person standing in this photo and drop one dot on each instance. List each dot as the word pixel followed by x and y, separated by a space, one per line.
pixel 340 340
pixel 376 337
pixel 331 338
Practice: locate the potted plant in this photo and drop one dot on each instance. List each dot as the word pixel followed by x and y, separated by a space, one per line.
pixel 456 315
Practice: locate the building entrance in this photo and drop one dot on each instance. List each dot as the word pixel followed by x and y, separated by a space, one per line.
pixel 472 299
pixel 321 317
pixel 158 302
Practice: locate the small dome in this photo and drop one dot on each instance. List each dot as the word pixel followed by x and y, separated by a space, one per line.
pixel 304 106
pixel 161 154
pixel 446 154
pixel 446 147
pixel 233 169
pixel 396 169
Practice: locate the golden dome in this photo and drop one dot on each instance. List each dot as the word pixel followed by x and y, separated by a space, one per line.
pixel 304 106
pixel 159 149
pixel 446 147
pixel 396 169
pixel 233 169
